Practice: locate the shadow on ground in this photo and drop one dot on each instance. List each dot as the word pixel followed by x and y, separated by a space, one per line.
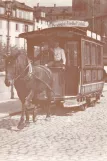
pixel 15 106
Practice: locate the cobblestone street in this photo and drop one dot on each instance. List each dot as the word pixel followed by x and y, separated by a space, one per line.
pixel 69 136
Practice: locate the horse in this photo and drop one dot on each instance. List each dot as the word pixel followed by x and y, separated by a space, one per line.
pixel 32 88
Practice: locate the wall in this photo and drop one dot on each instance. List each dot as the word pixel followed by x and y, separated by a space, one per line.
pixel 13 32
pixel 41 24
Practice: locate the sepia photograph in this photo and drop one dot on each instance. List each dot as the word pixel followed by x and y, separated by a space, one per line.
pixel 53 80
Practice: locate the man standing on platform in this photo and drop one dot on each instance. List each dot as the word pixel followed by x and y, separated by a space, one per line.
pixel 59 55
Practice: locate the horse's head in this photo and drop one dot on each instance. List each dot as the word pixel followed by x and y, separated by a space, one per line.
pixel 9 68
pixel 14 64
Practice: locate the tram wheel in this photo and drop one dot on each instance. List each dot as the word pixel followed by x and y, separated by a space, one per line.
pixel 93 103
pixel 83 107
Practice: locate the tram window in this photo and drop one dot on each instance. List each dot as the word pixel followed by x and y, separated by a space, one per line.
pixel 98 55
pixel 93 55
pixel 42 54
pixel 100 75
pixel 36 53
pixel 84 76
pixel 88 76
pixel 72 52
pixel 36 50
pixel 94 75
pixel 87 51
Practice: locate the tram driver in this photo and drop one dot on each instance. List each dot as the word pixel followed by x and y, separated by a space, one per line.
pixel 58 54
pixel 43 56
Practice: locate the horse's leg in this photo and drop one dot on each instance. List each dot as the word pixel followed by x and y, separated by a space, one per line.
pixel 47 107
pixel 48 104
pixel 34 113
pixel 27 115
pixel 29 98
pixel 22 120
pixel 27 104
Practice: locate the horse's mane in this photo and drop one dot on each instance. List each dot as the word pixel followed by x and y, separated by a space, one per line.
pixel 21 62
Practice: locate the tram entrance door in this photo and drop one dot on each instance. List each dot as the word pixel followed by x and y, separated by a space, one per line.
pixel 71 81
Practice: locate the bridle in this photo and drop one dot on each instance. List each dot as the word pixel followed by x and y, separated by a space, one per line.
pixel 15 79
pixel 28 66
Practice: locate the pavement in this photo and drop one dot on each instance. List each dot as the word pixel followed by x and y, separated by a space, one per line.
pixel 70 135
pixel 14 104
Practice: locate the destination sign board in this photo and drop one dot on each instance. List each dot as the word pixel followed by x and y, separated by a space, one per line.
pixel 69 23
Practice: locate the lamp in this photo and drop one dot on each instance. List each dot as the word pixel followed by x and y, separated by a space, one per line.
pixel 8 8
pixel 8 13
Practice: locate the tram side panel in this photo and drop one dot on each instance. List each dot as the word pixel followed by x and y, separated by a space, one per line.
pixel 91 70
pixel 71 73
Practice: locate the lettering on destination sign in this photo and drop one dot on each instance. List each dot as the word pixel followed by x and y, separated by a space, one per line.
pixel 69 23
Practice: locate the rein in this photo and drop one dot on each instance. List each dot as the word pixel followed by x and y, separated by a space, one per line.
pixel 29 66
pixel 21 73
pixel 45 84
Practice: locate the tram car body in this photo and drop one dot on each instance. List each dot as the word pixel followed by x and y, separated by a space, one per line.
pixel 81 83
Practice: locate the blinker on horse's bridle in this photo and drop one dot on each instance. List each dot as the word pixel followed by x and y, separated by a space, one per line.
pixel 29 65
pixel 21 73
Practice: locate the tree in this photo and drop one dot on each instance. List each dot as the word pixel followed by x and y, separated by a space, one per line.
pixel 2 52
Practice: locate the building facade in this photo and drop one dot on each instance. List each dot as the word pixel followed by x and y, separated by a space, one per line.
pixel 40 20
pixel 21 20
pixel 95 12
pixel 50 14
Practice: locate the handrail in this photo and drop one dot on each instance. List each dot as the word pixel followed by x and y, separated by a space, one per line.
pixel 55 67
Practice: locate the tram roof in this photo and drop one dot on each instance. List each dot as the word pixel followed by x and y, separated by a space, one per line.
pixel 49 31
pixel 57 31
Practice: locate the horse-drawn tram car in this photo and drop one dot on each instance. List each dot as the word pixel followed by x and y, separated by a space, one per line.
pixel 78 75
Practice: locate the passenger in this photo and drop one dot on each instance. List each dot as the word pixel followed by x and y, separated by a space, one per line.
pixel 59 55
pixel 44 55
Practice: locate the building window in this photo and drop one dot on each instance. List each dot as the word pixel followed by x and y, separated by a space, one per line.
pixel 17 41
pixel 0 38
pixel 17 27
pixel 14 13
pixel 37 20
pixel 20 14
pixel 28 15
pixel 38 28
pixel 24 14
pixel 1 10
pixel 26 28
pixel 0 24
pixel 31 16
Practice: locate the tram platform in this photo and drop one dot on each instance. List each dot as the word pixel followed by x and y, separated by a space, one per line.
pixel 105 87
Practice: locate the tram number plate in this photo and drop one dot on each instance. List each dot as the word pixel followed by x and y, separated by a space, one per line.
pixel 93 99
pixel 69 104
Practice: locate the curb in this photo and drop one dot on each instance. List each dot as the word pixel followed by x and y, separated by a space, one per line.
pixel 8 113
pixel 2 73
pixel 9 100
